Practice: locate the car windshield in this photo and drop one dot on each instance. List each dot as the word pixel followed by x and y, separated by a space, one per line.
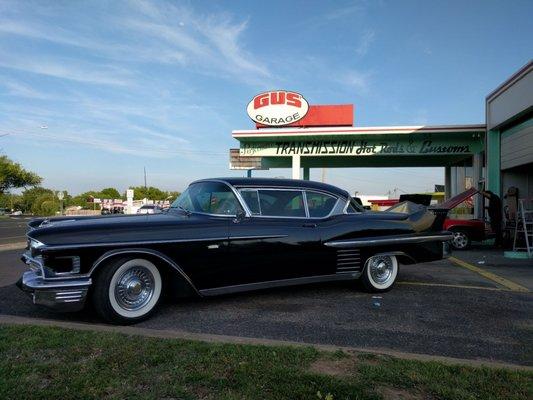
pixel 208 198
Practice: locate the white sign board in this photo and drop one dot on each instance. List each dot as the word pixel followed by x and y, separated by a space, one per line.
pixel 277 108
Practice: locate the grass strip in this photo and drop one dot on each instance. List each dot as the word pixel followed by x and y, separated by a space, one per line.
pixel 48 362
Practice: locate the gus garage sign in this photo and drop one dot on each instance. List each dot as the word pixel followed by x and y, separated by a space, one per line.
pixel 277 108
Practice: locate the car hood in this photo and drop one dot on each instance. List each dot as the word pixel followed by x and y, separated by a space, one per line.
pixel 121 228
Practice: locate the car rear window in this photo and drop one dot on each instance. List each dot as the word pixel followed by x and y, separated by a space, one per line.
pixel 319 204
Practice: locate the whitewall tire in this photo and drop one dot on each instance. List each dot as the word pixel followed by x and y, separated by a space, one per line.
pixel 380 273
pixel 127 290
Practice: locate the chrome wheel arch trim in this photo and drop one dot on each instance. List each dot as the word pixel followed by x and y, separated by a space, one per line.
pixel 154 253
pixel 397 254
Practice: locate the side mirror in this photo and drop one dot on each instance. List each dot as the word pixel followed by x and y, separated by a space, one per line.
pixel 239 216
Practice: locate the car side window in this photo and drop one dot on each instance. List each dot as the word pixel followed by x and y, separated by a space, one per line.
pixel 210 198
pixel 354 207
pixel 319 204
pixel 281 203
pixel 251 198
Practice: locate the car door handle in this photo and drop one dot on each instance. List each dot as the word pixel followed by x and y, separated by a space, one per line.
pixel 309 225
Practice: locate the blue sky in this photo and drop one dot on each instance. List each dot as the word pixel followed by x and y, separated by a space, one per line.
pixel 90 92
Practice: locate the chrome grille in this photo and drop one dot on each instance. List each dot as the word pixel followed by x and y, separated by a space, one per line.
pixel 348 260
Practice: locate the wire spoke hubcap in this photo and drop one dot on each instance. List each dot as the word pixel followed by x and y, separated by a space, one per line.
pixel 134 288
pixel 381 269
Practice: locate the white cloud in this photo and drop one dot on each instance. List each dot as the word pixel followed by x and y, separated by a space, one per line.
pixel 211 43
pixel 364 43
pixel 355 79
pixel 67 69
pixel 19 89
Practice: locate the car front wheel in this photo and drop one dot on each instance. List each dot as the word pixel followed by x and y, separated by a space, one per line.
pixel 380 273
pixel 461 240
pixel 127 290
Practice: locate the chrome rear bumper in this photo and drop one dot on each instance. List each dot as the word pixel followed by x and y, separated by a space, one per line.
pixel 62 295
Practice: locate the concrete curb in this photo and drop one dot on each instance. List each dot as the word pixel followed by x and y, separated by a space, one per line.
pixel 13 246
pixel 212 338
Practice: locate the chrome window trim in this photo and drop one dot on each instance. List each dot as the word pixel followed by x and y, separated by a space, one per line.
pixel 301 188
pixel 337 199
pixel 246 189
pixel 284 188
pixel 348 205
pixel 306 206
pixel 237 195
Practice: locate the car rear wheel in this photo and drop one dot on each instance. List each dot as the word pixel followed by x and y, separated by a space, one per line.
pixel 127 290
pixel 461 240
pixel 380 273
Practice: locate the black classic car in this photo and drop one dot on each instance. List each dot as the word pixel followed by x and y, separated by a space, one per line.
pixel 223 236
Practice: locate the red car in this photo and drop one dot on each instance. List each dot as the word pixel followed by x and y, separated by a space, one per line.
pixel 465 230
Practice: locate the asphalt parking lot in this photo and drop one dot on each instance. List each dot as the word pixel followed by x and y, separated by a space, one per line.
pixel 12 230
pixel 439 308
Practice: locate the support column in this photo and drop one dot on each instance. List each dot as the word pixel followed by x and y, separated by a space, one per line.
pixel 493 161
pixel 453 180
pixel 447 182
pixel 477 175
pixel 306 173
pixel 296 167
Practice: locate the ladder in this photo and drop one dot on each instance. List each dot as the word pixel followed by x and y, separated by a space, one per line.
pixel 524 224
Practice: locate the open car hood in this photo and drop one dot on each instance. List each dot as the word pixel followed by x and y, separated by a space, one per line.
pixel 456 200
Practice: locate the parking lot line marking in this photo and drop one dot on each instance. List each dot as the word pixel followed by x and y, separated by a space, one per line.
pixel 13 246
pixel 515 287
pixel 450 285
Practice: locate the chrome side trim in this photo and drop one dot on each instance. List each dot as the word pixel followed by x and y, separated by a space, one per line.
pixel 257 237
pixel 389 240
pixel 147 242
pixel 280 283
pixel 154 253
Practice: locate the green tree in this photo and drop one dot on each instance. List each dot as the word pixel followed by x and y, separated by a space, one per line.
pixel 152 193
pixel 110 193
pixel 45 204
pixel 82 200
pixel 29 196
pixel 11 201
pixel 12 175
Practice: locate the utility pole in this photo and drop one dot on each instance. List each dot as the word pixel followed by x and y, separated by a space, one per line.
pixel 145 178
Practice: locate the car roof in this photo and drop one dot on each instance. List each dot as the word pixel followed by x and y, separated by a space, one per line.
pixel 278 182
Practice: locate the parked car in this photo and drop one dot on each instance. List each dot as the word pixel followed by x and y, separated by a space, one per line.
pixel 149 209
pixel 465 231
pixel 224 236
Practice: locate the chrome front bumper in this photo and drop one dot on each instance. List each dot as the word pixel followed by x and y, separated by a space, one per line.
pixel 60 294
